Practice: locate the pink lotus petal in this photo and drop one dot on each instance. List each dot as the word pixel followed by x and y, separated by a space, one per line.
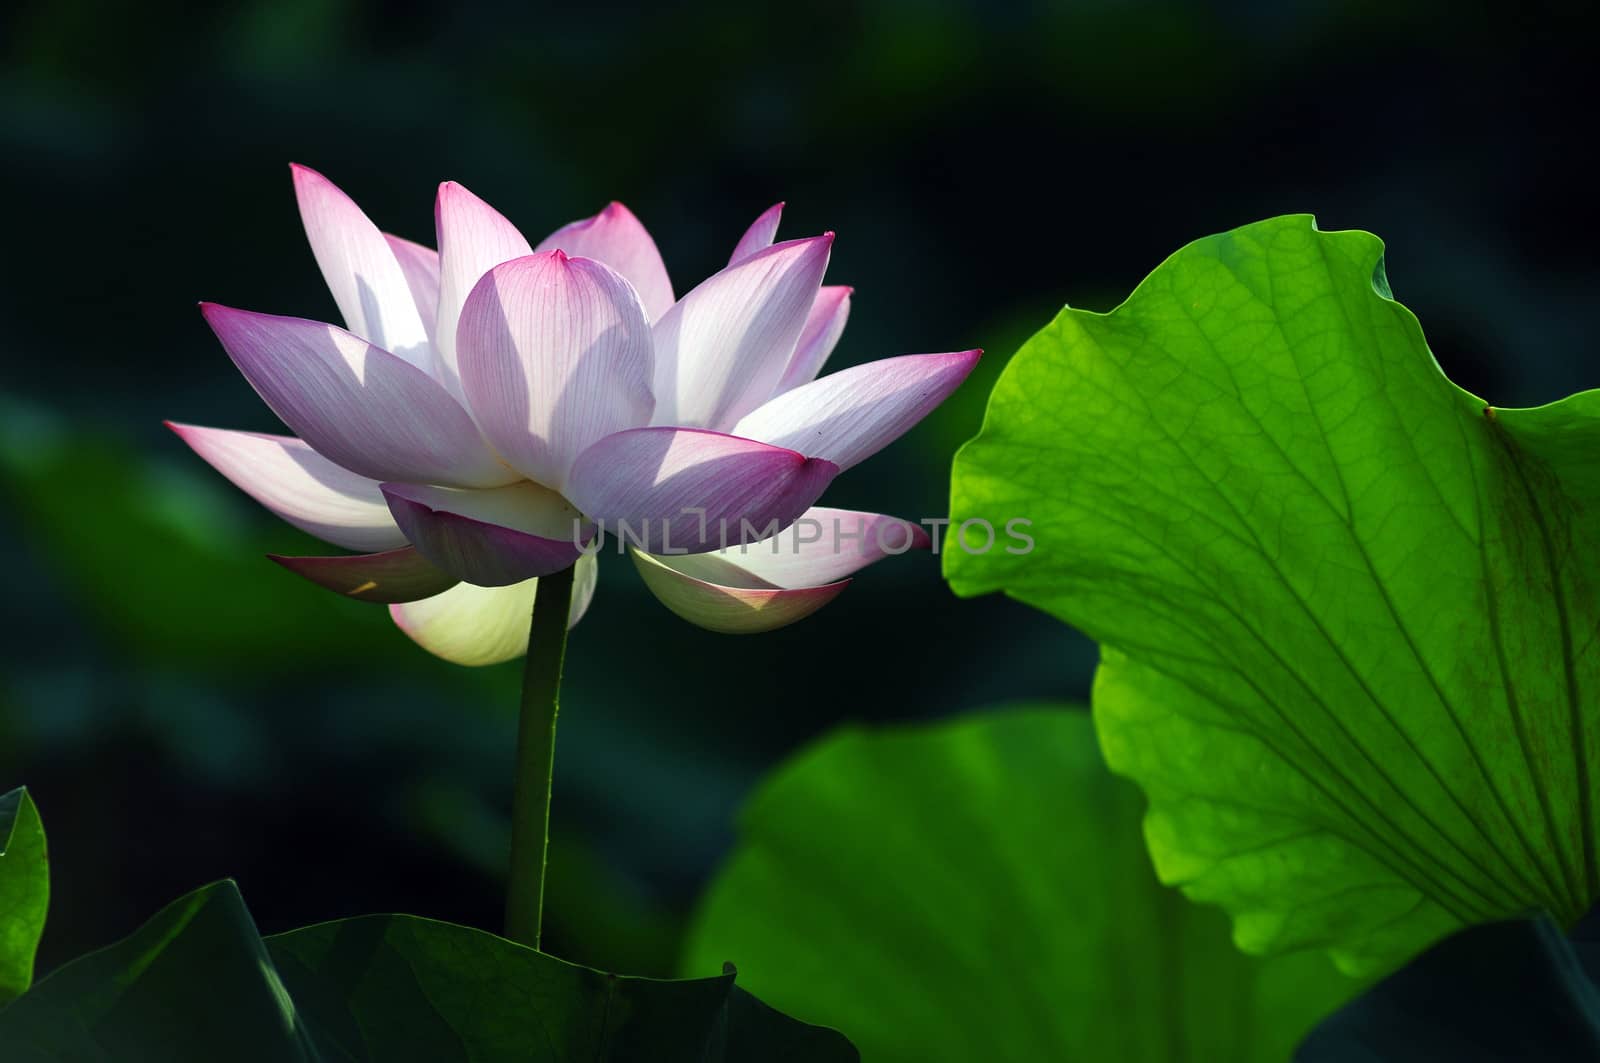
pixel 721 349
pixel 362 272
pixel 725 609
pixel 822 546
pixel 473 239
pixel 759 236
pixel 355 404
pixel 617 238
pixel 850 415
pixel 401 575
pixel 421 267
pixel 299 485
pixel 493 538
pixel 823 327
pixel 554 356
pixel 485 625
pixel 685 489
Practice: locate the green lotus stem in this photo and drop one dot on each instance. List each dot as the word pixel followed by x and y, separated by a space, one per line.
pixel 536 753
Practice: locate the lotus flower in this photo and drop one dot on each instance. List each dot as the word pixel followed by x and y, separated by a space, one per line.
pixel 487 407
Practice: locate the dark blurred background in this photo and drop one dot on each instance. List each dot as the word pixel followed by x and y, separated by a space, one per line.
pixel 184 710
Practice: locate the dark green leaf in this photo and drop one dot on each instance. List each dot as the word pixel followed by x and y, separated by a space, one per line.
pixel 198 983
pixel 1348 613
pixel 1503 991
pixel 194 983
pixel 24 891
pixel 383 986
pixel 978 890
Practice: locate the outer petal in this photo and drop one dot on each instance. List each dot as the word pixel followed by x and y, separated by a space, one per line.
pixel 685 489
pixel 492 538
pixel 822 546
pixel 850 415
pixel 473 239
pixel 355 404
pixel 617 238
pixel 361 270
pixel 485 625
pixel 555 356
pixel 760 235
pixel 721 349
pixel 401 575
pixel 421 267
pixel 730 610
pixel 823 327
pixel 299 485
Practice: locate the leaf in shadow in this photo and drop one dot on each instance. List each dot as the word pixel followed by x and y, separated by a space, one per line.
pixel 198 983
pixel 1511 990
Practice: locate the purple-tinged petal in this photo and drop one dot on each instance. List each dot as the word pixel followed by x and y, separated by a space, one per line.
pixel 822 546
pixel 401 575
pixel 620 240
pixel 554 355
pixel 850 415
pixel 485 625
pixel 356 404
pixel 781 579
pixel 729 610
pixel 362 272
pixel 473 239
pixel 759 236
pixel 821 333
pixel 721 349
pixel 493 538
pixel 674 490
pixel 299 485
pixel 421 267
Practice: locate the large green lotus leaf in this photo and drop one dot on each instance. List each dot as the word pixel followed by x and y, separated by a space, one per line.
pixel 397 987
pixel 198 983
pixel 1348 612
pixel 978 890
pixel 24 891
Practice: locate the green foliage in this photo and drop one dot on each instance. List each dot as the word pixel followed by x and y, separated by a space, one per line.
pixel 1347 611
pixel 198 983
pixel 978 890
pixel 24 891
